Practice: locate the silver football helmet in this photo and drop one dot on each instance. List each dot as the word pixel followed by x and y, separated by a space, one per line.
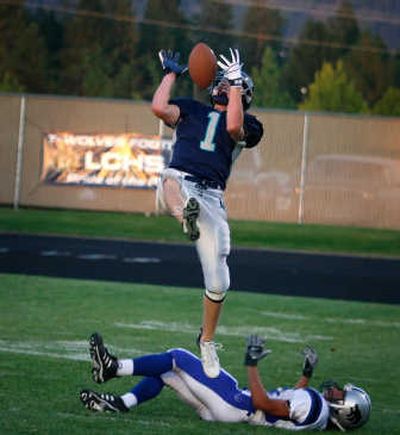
pixel 353 411
pixel 219 96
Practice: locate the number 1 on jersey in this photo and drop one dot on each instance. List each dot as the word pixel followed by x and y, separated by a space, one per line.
pixel 207 144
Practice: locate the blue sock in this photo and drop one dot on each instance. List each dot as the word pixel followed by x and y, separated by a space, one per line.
pixel 147 389
pixel 152 365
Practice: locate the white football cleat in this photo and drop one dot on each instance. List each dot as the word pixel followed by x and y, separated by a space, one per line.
pixel 209 358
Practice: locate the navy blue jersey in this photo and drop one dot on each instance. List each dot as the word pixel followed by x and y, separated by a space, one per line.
pixel 203 147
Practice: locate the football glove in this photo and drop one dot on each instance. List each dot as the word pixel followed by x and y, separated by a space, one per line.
pixel 255 350
pixel 232 68
pixel 170 62
pixel 310 361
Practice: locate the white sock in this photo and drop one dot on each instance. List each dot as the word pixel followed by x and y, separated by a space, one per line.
pixel 125 367
pixel 129 400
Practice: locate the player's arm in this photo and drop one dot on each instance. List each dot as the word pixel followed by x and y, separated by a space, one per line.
pixel 254 353
pixel 234 115
pixel 260 399
pixel 309 363
pixel 233 73
pixel 160 106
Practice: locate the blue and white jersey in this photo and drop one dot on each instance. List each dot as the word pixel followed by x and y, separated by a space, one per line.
pixel 203 147
pixel 308 409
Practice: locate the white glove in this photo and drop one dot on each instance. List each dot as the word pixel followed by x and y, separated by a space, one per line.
pixel 233 68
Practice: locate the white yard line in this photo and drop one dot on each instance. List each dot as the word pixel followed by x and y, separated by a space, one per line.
pixel 234 331
pixel 347 321
pixel 71 350
pixel 284 316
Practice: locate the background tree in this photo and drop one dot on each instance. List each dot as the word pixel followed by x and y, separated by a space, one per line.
pixel 396 63
pixel 51 27
pixel 218 16
pixel 164 26
pixel 9 83
pixel 122 48
pixel 306 58
pixel 344 30
pixel 23 54
pixel 371 71
pixel 332 91
pixel 389 104
pixel 320 42
pixel 100 47
pixel 263 23
pixel 267 83
pixel 82 56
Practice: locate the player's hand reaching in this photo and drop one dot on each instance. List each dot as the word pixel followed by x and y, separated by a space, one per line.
pixel 310 361
pixel 170 62
pixel 232 68
pixel 255 350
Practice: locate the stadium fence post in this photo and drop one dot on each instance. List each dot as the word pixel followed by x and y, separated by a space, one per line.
pixel 20 145
pixel 300 217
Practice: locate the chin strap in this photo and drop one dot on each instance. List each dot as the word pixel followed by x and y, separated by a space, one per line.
pixel 336 423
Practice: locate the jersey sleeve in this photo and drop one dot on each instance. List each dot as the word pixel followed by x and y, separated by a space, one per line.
pixel 253 131
pixel 300 405
pixel 307 408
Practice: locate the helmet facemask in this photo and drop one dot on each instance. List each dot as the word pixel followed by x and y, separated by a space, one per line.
pixel 219 90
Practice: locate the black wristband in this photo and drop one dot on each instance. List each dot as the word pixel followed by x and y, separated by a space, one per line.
pixel 307 370
pixel 249 361
pixel 236 83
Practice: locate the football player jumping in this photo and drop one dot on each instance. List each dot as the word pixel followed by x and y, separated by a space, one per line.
pixel 208 138
pixel 298 408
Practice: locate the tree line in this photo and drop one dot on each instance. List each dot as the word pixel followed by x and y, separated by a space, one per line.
pixel 103 48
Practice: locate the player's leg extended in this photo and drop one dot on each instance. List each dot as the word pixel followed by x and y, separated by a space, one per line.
pixel 213 247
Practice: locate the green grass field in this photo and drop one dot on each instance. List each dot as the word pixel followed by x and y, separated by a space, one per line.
pixel 45 324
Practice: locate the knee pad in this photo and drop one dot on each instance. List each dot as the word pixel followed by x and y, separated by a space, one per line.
pixel 217 281
pixel 217 297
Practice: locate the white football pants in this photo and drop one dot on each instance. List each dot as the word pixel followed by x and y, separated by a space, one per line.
pixel 213 246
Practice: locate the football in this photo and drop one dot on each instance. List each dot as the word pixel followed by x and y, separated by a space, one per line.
pixel 202 65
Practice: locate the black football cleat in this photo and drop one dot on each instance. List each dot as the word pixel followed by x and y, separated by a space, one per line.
pixel 191 213
pixel 102 402
pixel 104 365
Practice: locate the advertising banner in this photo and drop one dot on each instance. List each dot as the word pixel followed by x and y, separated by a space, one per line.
pixel 119 160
